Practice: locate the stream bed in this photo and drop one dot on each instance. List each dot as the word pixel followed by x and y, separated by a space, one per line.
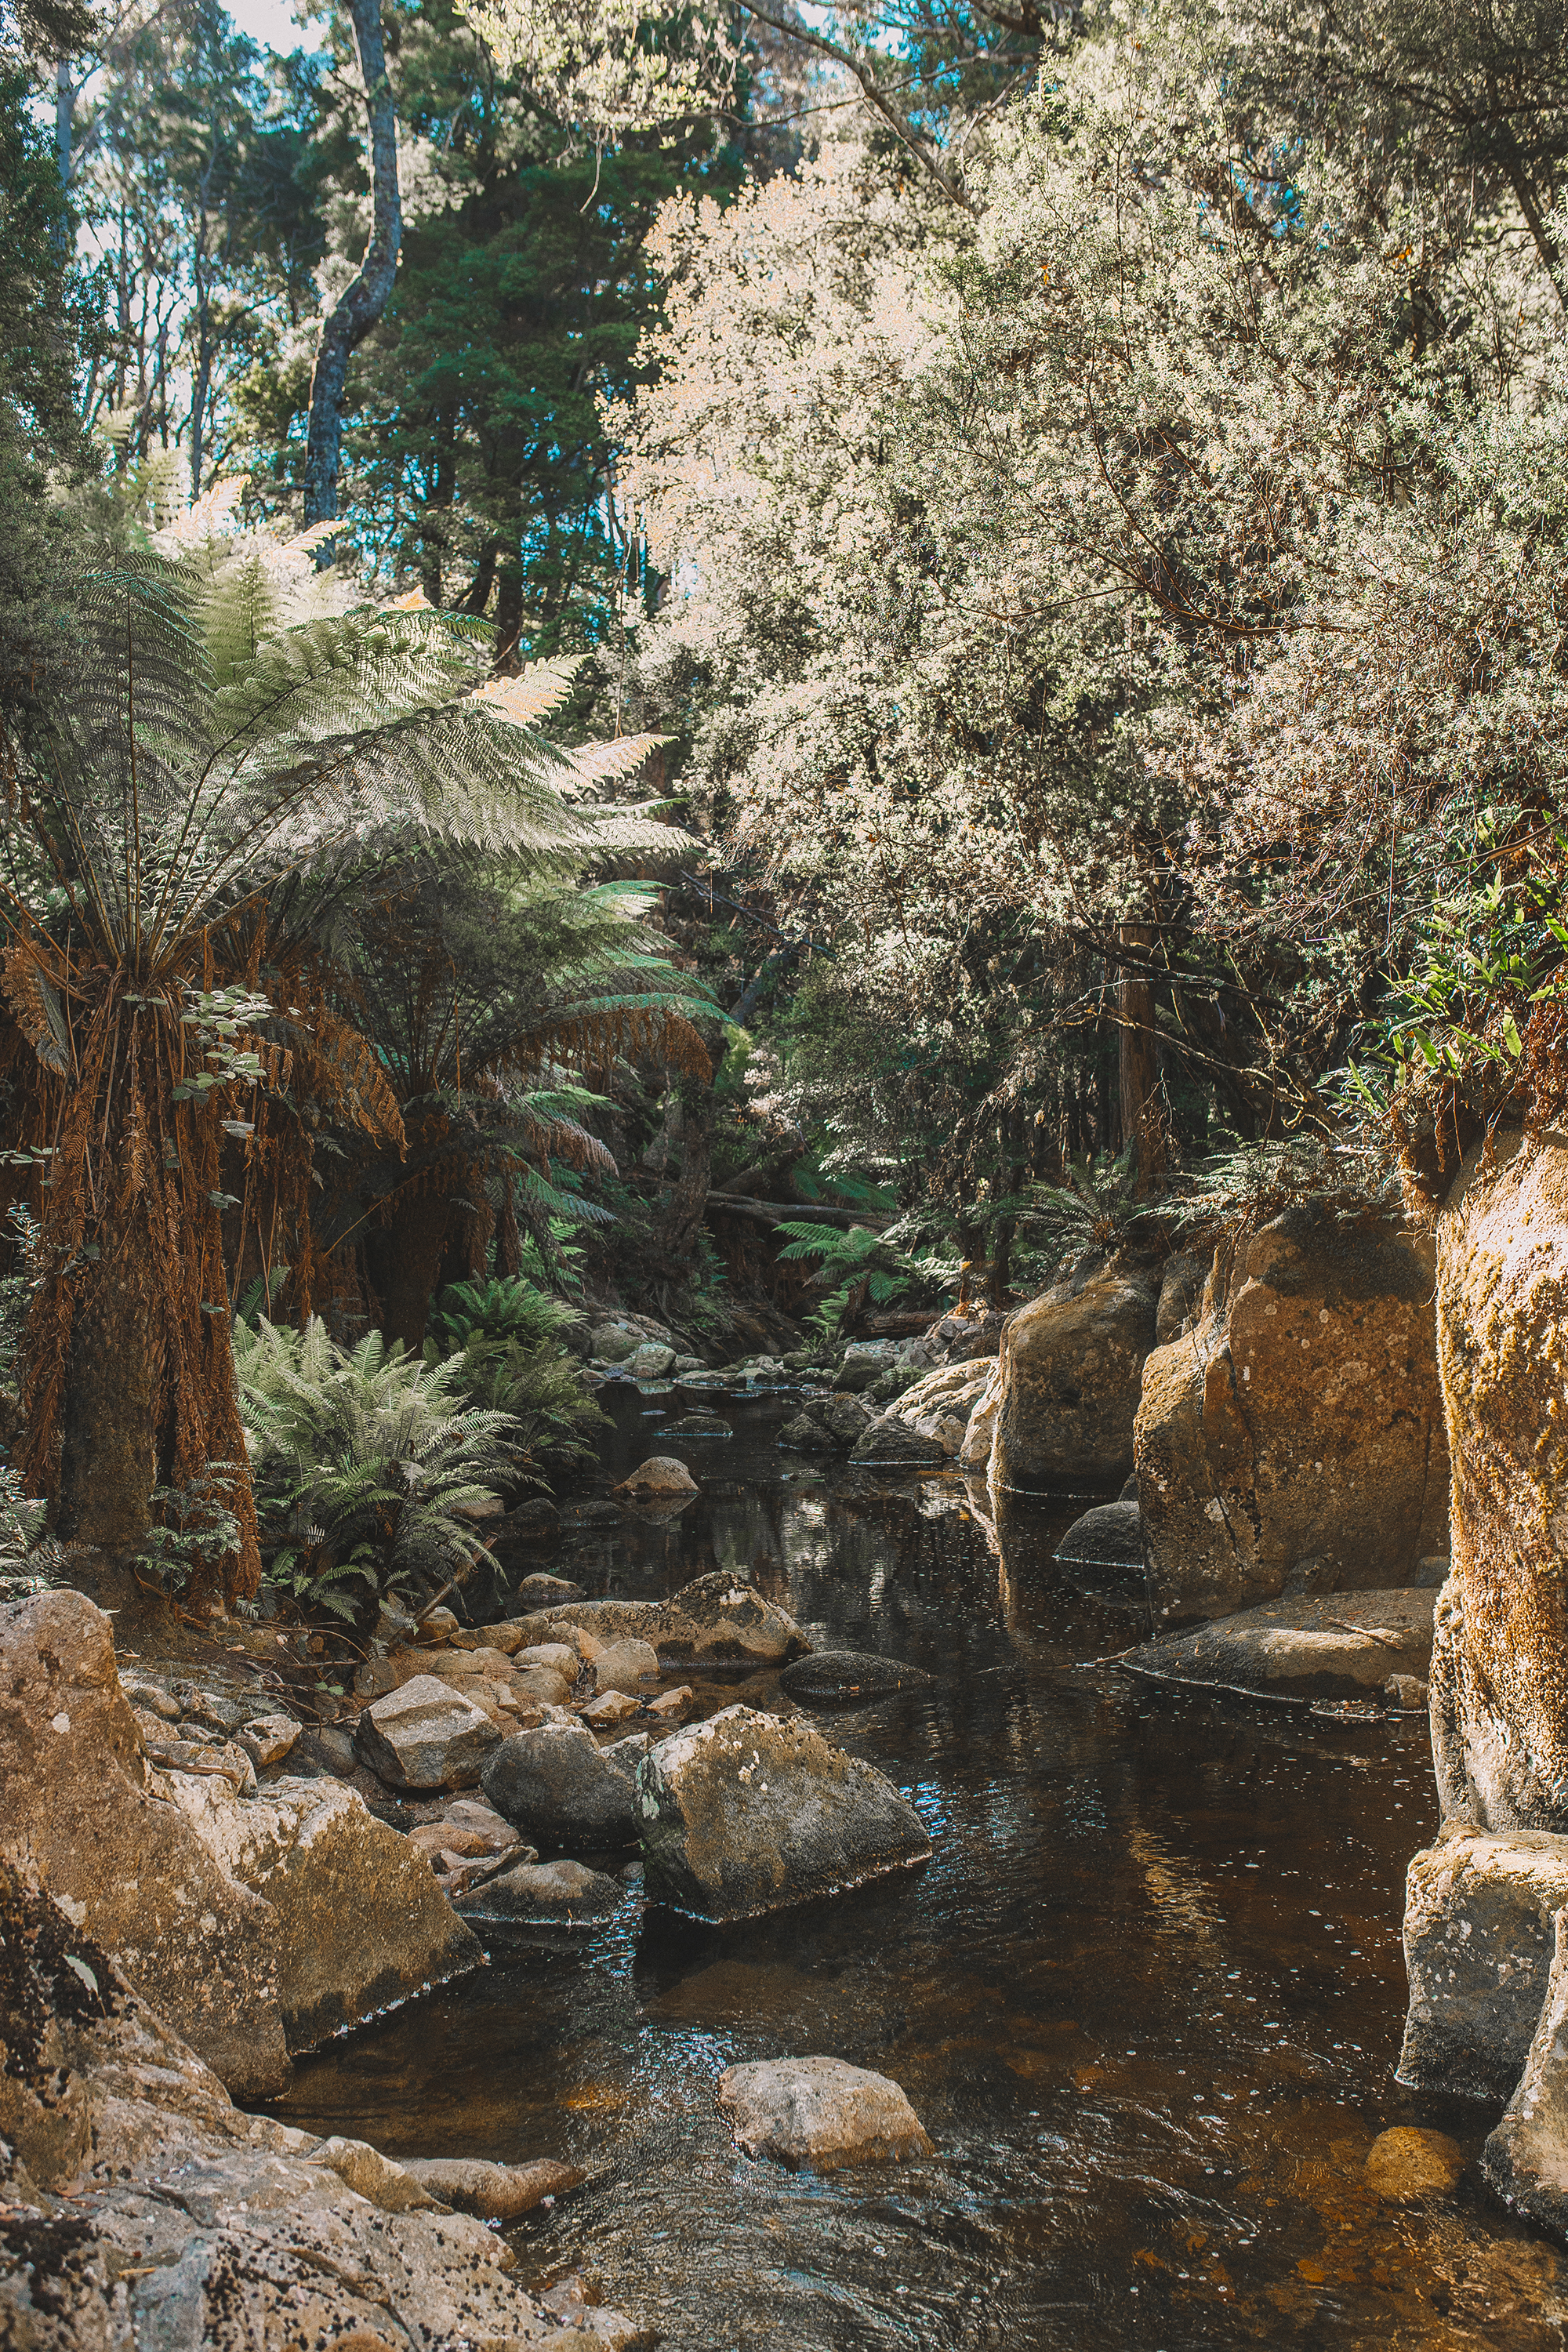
pixel 1146 1997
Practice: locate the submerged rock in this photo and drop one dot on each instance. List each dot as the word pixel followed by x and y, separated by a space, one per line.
pixel 1404 2163
pixel 747 1813
pixel 425 1735
pixel 1336 1647
pixel 1480 1932
pixel 543 1890
pixel 626 1665
pixel 1109 1536
pixel 493 2192
pixel 559 1789
pixel 818 2114
pixel 829 1676
pixel 361 1923
pixel 126 1866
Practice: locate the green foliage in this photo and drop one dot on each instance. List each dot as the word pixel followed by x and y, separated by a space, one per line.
pixel 196 1531
pixel 542 1392
pixel 508 1309
pixel 362 1462
pixel 846 1259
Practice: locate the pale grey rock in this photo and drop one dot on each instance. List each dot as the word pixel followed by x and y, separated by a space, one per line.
pixel 1525 2160
pixel 1480 1908
pixel 819 2114
pixel 747 1813
pixel 492 2192
pixel 627 1666
pixel 267 1738
pixel 425 1735
pixel 650 1361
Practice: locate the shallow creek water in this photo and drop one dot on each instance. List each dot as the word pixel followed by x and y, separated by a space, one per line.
pixel 1146 1997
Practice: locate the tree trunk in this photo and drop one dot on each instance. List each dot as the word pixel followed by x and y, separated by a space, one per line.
pixel 688 1202
pixel 408 1263
pixel 1141 1121
pixel 361 305
pixel 109 1416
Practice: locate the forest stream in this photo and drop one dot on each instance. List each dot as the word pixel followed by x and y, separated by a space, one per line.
pixel 1146 1997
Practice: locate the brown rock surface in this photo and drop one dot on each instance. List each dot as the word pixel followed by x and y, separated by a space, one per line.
pixel 118 1857
pixel 1070 1369
pixel 1404 2162
pixel 1292 1441
pixel 1499 1666
pixel 818 2114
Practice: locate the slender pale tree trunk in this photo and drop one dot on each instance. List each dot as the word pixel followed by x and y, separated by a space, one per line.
pixel 362 303
pixel 1140 1070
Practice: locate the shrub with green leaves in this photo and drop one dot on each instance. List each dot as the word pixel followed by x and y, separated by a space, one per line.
pixel 853 1256
pixel 508 1310
pixel 363 1462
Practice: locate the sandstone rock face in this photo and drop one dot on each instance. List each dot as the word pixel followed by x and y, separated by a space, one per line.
pixel 746 1814
pixel 363 1925
pixel 1070 1366
pixel 425 1735
pixel 1342 1646
pixel 1525 2160
pixel 1499 1679
pixel 118 1856
pixel 1479 1910
pixel 1293 1441
pixel 226 2231
pixel 560 1790
pixel 818 2114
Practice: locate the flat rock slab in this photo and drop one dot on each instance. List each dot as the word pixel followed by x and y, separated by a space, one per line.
pixel 832 1677
pixel 1480 1908
pixel 1327 1645
pixel 818 2114
pixel 747 1813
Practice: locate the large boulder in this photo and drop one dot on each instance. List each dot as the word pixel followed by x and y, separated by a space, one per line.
pixel 156 2214
pixel 1525 2160
pixel 818 2114
pixel 557 1786
pixel 1499 1679
pixel 363 1927
pixel 1478 1939
pixel 722 1617
pixel 1292 1443
pixel 928 1423
pixel 118 1855
pixel 747 1813
pixel 425 1735
pixel 1070 1367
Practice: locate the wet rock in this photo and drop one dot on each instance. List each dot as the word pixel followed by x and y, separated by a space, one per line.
pixel 831 1678
pixel 627 1666
pixel 267 1739
pixel 559 1790
pixel 699 1425
pixel 1479 1914
pixel 613 1342
pixel 492 2192
pixel 426 1735
pixel 543 1890
pixel 1406 1693
pixel 661 1476
pixel 865 1361
pixel 1070 1365
pixel 1111 1535
pixel 1404 2163
pixel 536 1593
pixel 612 1706
pixel 746 1814
pixel 361 1926
pixel 818 2114
pixel 650 1361
pixel 1525 2160
pixel 124 1866
pixel 806 1434
pixel 1336 1646
pixel 846 1418
pixel 887 1438
pixel 722 1617
pixel 226 2231
pixel 1294 1440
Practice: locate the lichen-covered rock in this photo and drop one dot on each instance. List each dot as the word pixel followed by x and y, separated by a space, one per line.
pixel 1478 1939
pixel 1069 1366
pixel 747 1813
pixel 121 1859
pixel 559 1789
pixel 1292 1441
pixel 361 1924
pixel 544 1890
pixel 1340 1646
pixel 425 1735
pixel 818 2114
pixel 662 1478
pixel 835 1677
pixel 225 2232
pixel 1500 1668
pixel 722 1616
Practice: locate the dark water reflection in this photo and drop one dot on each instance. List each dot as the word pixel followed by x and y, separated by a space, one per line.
pixel 1146 1997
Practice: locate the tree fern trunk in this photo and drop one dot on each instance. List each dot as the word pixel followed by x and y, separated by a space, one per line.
pixel 357 309
pixel 109 1414
pixel 408 1261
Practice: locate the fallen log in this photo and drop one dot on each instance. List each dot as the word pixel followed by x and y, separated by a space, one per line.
pixel 804 1212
